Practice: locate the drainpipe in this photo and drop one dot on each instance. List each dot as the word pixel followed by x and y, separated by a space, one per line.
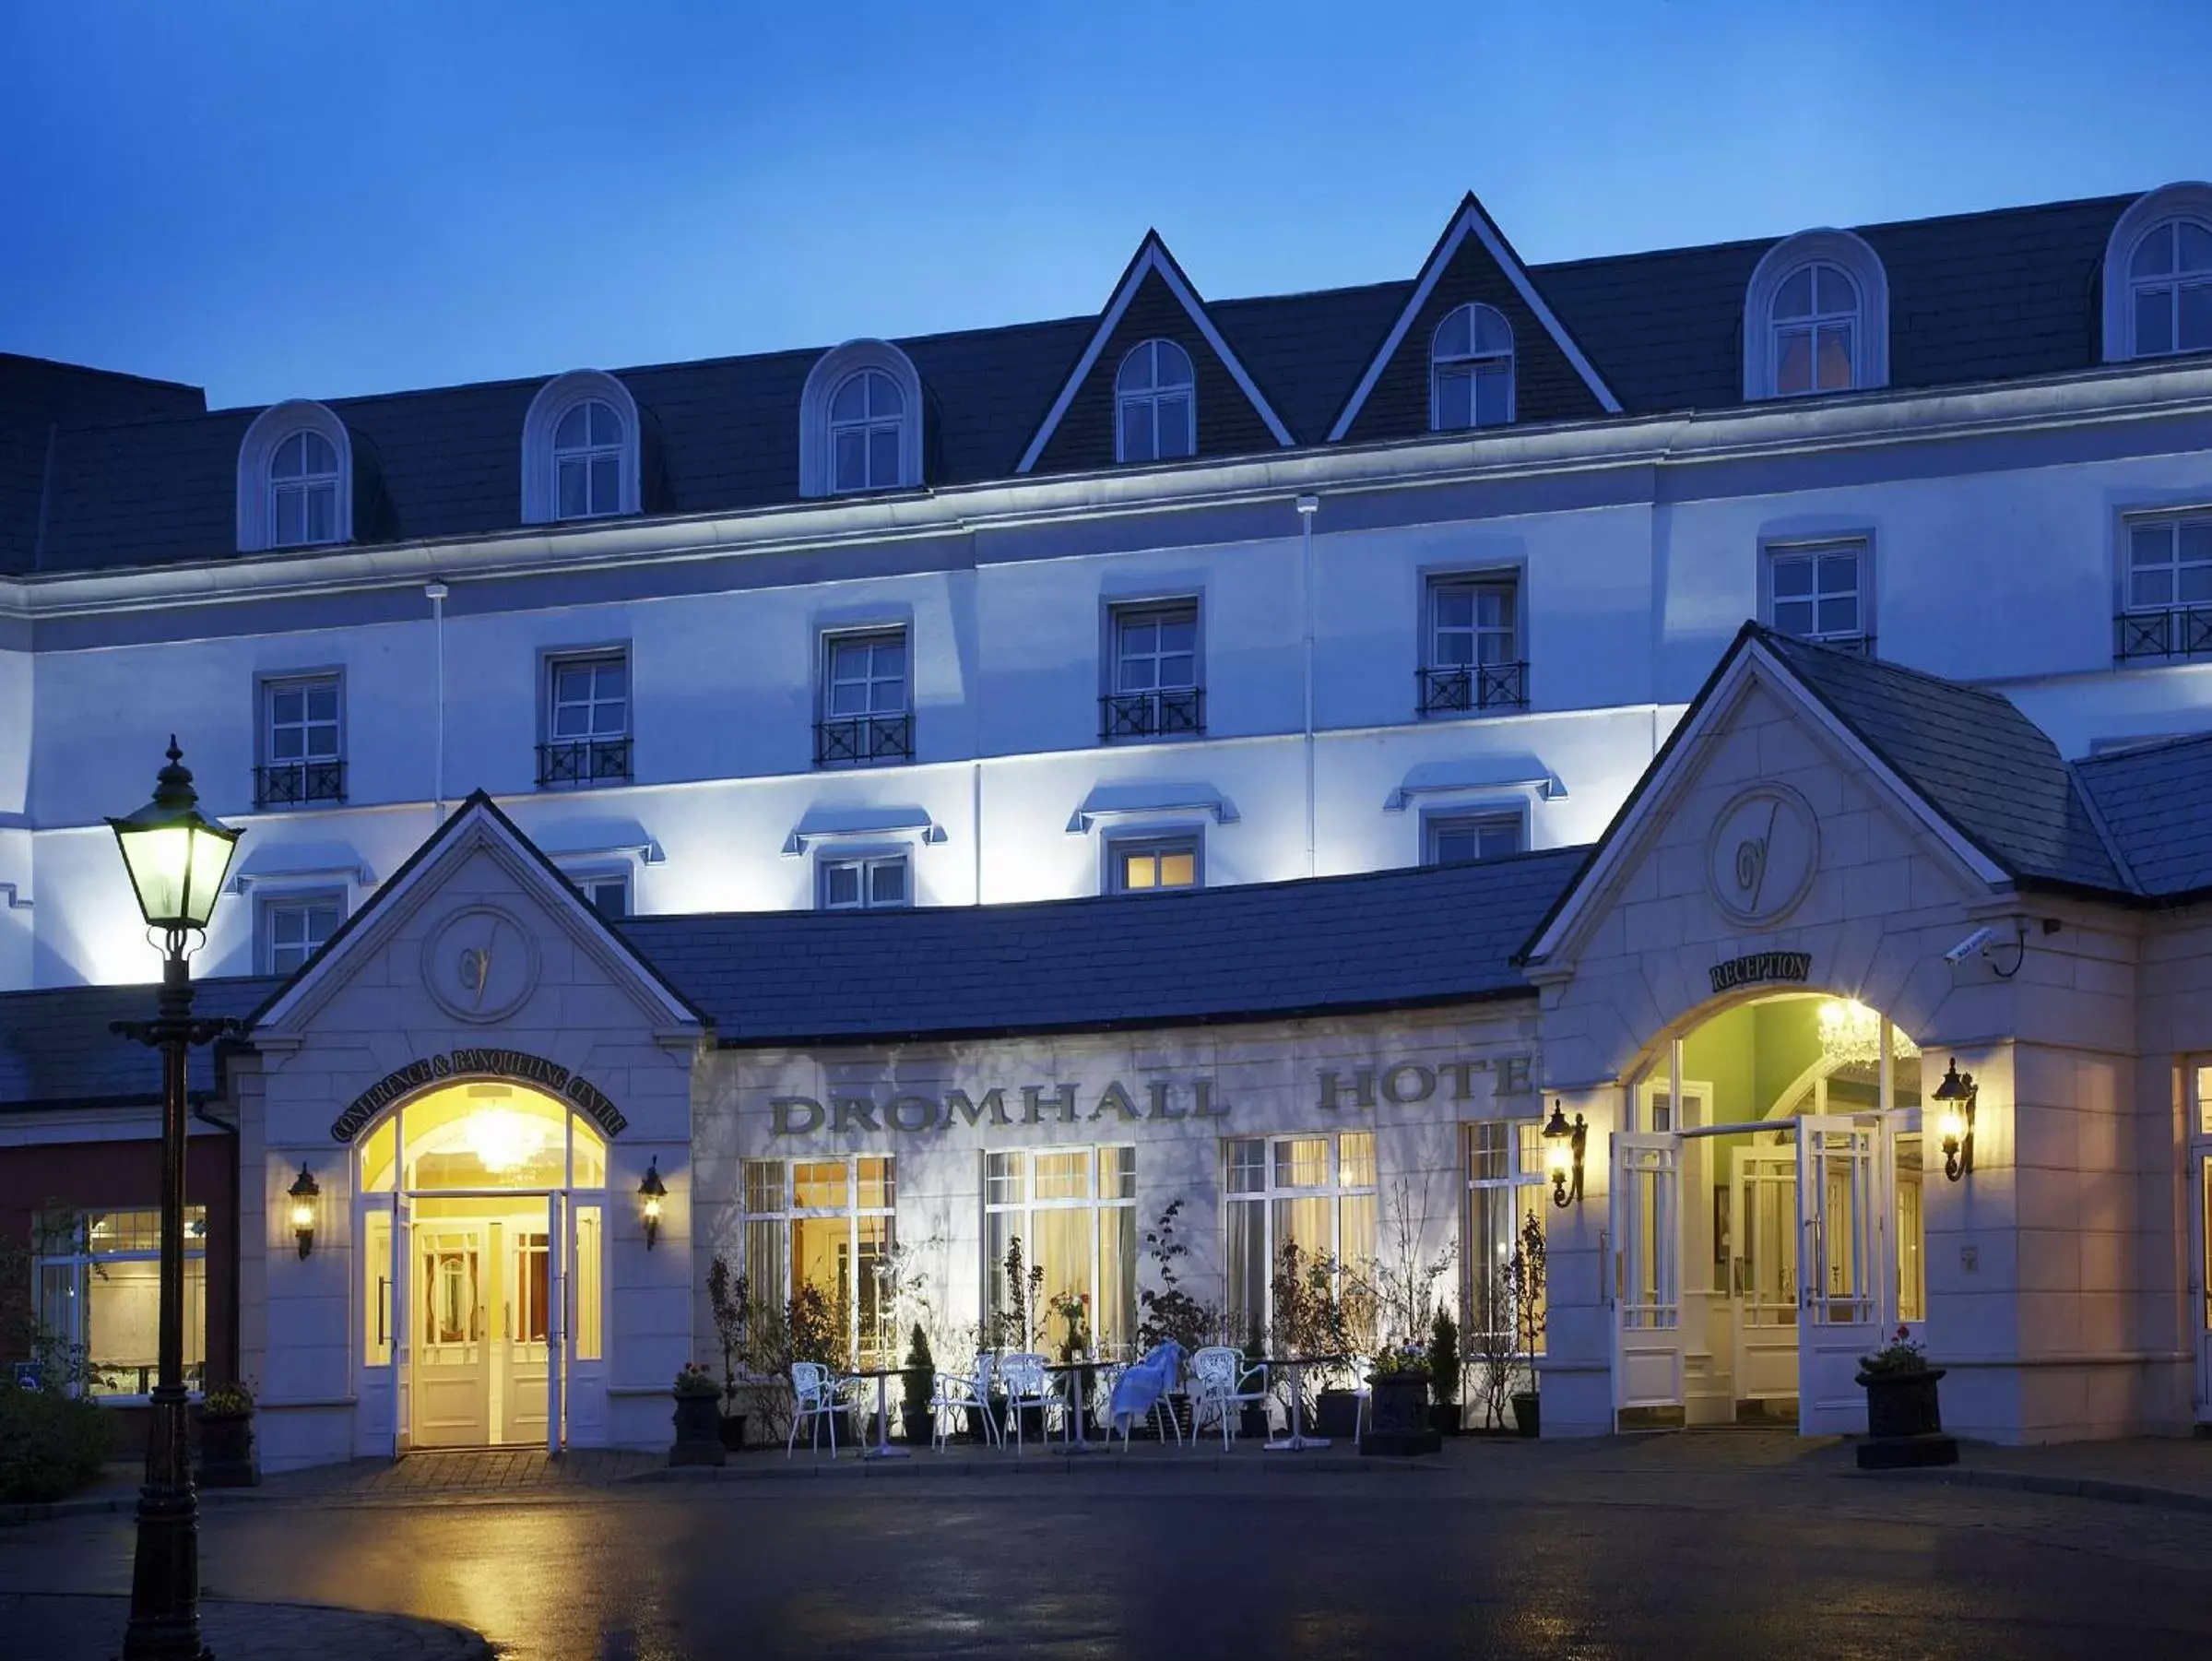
pixel 1307 508
pixel 436 593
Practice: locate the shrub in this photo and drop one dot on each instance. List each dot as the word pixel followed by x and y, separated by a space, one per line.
pixel 1443 1357
pixel 51 1444
pixel 920 1380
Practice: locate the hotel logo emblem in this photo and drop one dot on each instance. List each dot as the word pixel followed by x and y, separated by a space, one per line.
pixel 1762 855
pixel 479 965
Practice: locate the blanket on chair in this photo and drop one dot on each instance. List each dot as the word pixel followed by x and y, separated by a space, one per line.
pixel 1138 1389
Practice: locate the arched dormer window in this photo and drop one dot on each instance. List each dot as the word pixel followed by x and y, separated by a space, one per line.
pixel 860 421
pixel 2158 276
pixel 580 450
pixel 1471 370
pixel 295 478
pixel 1816 318
pixel 1155 404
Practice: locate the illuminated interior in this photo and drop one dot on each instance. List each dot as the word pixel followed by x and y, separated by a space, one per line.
pixel 485 1135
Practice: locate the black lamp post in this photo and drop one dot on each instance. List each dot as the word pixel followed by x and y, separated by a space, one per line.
pixel 1955 1121
pixel 177 858
pixel 1564 1146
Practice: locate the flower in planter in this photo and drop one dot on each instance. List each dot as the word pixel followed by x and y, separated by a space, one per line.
pixel 1902 1353
pixel 228 1401
pixel 692 1380
pixel 1401 1358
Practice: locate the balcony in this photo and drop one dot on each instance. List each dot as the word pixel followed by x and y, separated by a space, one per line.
pixel 855 741
pixel 1170 712
pixel 1473 687
pixel 2174 632
pixel 584 761
pixel 299 783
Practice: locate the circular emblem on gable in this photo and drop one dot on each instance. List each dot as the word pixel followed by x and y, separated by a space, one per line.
pixel 479 964
pixel 1761 856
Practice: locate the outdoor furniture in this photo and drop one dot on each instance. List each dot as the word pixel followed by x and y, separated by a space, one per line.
pixel 882 1449
pixel 1142 1388
pixel 1075 1421
pixel 1223 1385
pixel 1295 1365
pixel 813 1396
pixel 1028 1382
pixel 957 1397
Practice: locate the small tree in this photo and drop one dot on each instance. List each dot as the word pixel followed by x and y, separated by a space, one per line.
pixel 1167 1312
pixel 730 1294
pixel 1444 1358
pixel 1403 1281
pixel 1494 1345
pixel 768 1357
pixel 919 1379
pixel 1019 1320
pixel 1525 1276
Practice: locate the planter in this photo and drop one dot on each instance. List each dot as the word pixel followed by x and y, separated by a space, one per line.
pixel 733 1432
pixel 1251 1421
pixel 1032 1427
pixel 1444 1417
pixel 227 1452
pixel 1336 1415
pixel 978 1420
pixel 918 1425
pixel 698 1420
pixel 1527 1414
pixel 1904 1421
pixel 1397 1414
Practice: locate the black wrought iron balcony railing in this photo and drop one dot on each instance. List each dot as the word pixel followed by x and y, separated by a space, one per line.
pixel 1171 712
pixel 584 761
pixel 298 783
pixel 1469 687
pixel 2172 632
pixel 1856 645
pixel 855 741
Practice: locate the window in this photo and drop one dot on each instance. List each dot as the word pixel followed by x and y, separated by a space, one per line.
pixel 588 462
pixel 2169 282
pixel 825 1226
pixel 608 896
pixel 1147 866
pixel 99 1291
pixel 874 883
pixel 1462 838
pixel 1505 1187
pixel 1474 659
pixel 1155 681
pixel 587 719
pixel 1314 1192
pixel 1471 370
pixel 303 491
pixel 864 712
pixel 1073 1213
pixel 1816 314
pixel 1819 592
pixel 868 418
pixel 1816 318
pixel 301 757
pixel 1154 416
pixel 2167 596
pixel 294 926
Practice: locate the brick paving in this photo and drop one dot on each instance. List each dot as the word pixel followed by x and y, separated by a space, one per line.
pixel 465 1471
pixel 65 1627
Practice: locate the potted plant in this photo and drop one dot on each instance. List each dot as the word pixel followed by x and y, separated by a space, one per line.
pixel 730 1294
pixel 1904 1418
pixel 1397 1404
pixel 1253 1417
pixel 1073 1310
pixel 919 1382
pixel 698 1417
pixel 1167 1312
pixel 227 1439
pixel 1444 1374
pixel 1524 1284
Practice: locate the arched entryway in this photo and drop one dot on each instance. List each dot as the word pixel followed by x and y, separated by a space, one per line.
pixel 481 1268
pixel 1766 1213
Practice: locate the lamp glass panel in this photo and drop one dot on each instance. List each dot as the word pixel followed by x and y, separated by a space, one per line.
pixel 210 860
pixel 160 862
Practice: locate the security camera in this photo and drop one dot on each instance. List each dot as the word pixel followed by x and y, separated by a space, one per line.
pixel 1966 948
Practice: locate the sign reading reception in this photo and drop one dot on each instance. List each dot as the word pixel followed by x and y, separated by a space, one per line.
pixel 1761 966
pixel 517 1064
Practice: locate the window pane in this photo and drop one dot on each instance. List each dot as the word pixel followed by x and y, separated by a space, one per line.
pixel 605 428
pixel 1357 1152
pixel 1455 607
pixel 1832 290
pixel 884 458
pixel 1136 430
pixel 1793 577
pixel 574 432
pixel 1839 616
pixel 1455 335
pixel 841 885
pixel 2196 541
pixel 1486 1150
pixel 851 470
pixel 1834 357
pixel 1178 870
pixel 606 493
pixel 887 883
pixel 1135 374
pixel 819 1184
pixel 884 399
pixel 878 1174
pixel 1248 1165
pixel 1793 360
pixel 1117 1173
pixel 2154 253
pixel 1171 366
pixel 1838 574
pixel 1493 395
pixel 1492 332
pixel 1301 1162
pixel 2196 247
pixel 2196 317
pixel 1455 399
pixel 2154 320
pixel 2195 583
pixel 322 513
pixel 851 401
pixel 1064 1176
pixel 2153 587
pixel 763 1185
pixel 572 486
pixel 2150 544
pixel 1174 419
pixel 289 516
pixel 1795 299
pixel 1137 870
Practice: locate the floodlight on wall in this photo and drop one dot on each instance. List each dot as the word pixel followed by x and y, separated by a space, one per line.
pixel 305 1191
pixel 1564 1145
pixel 1954 1121
pixel 650 1194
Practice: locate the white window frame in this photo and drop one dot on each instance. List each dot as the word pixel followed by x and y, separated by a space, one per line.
pixel 1024 1209
pixel 1473 362
pixel 1441 822
pixel 1159 845
pixel 257 489
pixel 584 455
pixel 1870 334
pixel 285 903
pixel 2184 626
pixel 1334 1189
pixel 593 884
pixel 268 689
pixel 1151 396
pixel 1122 616
pixel 817 441
pixel 2186 201
pixel 541 463
pixel 1860 547
pixel 866 865
pixel 1497 1155
pixel 1504 674
pixel 81 1262
pixel 551 667
pixel 754 1177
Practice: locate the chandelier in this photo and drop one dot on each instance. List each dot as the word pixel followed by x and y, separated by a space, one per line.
pixel 1851 1035
pixel 503 1140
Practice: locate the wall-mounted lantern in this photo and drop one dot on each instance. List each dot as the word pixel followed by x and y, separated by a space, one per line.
pixel 1954 1122
pixel 650 1194
pixel 305 1191
pixel 1563 1148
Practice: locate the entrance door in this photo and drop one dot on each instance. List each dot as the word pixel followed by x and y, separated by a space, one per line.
pixel 452 1405
pixel 1840 1312
pixel 521 1357
pixel 1764 1274
pixel 1646 1236
pixel 584 1326
pixel 2201 1284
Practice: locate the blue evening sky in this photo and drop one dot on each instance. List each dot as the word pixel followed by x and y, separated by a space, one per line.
pixel 270 199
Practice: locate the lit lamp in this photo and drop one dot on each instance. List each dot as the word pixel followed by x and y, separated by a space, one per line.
pixel 177 858
pixel 1954 1121
pixel 1563 1149
pixel 650 1194
pixel 305 1191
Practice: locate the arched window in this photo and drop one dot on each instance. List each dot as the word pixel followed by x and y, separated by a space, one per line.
pixel 868 419
pixel 1471 370
pixel 1816 318
pixel 2169 284
pixel 588 462
pixel 1156 410
pixel 303 491
pixel 295 478
pixel 580 449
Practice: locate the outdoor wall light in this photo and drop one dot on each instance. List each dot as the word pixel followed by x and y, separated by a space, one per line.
pixel 1954 1122
pixel 1563 1148
pixel 305 1191
pixel 650 1194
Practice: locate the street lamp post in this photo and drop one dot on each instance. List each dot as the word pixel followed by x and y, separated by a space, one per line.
pixel 177 858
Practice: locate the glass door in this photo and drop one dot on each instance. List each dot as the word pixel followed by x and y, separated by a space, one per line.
pixel 1839 1269
pixel 1647 1234
pixel 583 1339
pixel 452 1405
pixel 1764 1274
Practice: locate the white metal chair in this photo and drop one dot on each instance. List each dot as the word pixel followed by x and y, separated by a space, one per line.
pixel 1224 1385
pixel 1028 1384
pixel 814 1395
pixel 1163 1415
pixel 954 1397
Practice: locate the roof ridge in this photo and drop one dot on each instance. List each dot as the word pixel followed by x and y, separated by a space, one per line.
pixel 1836 654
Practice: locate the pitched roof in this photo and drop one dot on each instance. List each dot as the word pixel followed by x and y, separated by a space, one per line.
pixel 56 1048
pixel 2156 800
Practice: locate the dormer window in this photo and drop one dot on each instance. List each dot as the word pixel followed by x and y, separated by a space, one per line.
pixel 1471 370
pixel 588 462
pixel 860 421
pixel 1816 318
pixel 295 478
pixel 2169 278
pixel 1816 315
pixel 1156 413
pixel 868 419
pixel 303 491
pixel 580 450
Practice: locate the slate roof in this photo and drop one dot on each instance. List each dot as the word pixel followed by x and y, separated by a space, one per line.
pixel 1973 297
pixel 1387 939
pixel 2156 800
pixel 57 1051
pixel 36 399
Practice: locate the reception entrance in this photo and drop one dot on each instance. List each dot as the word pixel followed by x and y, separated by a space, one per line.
pixel 482 1270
